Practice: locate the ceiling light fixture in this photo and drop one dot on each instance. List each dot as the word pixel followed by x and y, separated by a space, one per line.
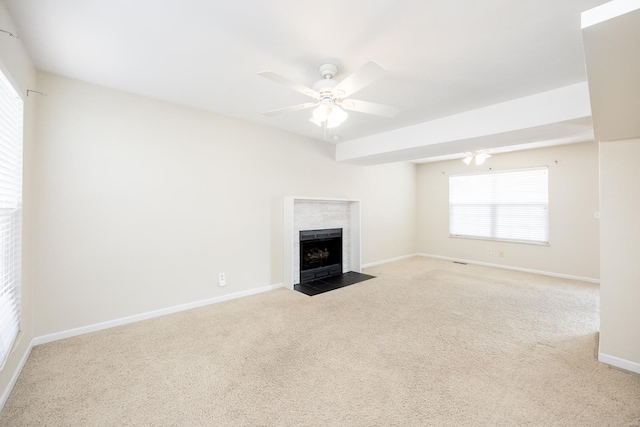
pixel 333 115
pixel 320 114
pixel 331 97
pixel 480 157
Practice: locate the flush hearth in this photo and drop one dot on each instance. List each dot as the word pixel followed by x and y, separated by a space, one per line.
pixel 320 254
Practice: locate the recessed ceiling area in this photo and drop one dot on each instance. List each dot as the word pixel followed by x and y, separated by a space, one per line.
pixel 444 57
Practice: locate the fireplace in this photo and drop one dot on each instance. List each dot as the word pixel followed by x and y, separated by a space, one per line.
pixel 320 254
pixel 312 213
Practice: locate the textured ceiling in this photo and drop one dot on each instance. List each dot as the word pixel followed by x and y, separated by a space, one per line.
pixel 443 56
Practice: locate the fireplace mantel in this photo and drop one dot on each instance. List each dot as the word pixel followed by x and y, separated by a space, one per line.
pixel 296 206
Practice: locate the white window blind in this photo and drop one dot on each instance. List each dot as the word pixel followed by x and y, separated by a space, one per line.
pixel 509 205
pixel 11 111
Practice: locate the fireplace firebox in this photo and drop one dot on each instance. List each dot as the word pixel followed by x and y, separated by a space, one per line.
pixel 320 254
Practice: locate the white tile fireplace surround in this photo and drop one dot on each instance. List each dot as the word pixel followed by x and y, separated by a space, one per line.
pixel 308 213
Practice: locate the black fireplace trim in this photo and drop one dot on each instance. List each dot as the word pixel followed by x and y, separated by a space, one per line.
pixel 335 269
pixel 320 234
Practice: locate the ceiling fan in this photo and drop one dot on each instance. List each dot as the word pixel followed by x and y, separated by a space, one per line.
pixel 331 97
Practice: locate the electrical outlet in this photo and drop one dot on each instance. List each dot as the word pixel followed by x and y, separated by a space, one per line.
pixel 488 251
pixel 501 253
pixel 596 214
pixel 222 280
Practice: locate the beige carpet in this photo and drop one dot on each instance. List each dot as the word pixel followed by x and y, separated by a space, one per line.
pixel 428 342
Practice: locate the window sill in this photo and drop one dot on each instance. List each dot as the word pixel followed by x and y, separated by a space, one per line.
pixel 526 242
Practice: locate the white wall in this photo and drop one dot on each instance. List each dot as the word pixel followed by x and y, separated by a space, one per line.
pixel 141 203
pixel 620 249
pixel 573 198
pixel 613 65
pixel 15 61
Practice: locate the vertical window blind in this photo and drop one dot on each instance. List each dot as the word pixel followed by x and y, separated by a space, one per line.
pixel 510 205
pixel 11 113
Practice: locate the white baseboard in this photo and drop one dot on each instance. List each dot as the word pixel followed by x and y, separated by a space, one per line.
pixel 384 261
pixel 148 315
pixel 14 378
pixel 619 362
pixel 507 267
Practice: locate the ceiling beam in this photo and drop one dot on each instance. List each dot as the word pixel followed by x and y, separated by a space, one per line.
pixel 555 114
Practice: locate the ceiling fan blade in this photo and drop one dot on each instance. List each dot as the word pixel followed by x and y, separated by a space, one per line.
pixel 274 77
pixel 292 108
pixel 367 74
pixel 369 108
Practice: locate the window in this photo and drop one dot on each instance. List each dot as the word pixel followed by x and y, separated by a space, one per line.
pixel 10 214
pixel 509 205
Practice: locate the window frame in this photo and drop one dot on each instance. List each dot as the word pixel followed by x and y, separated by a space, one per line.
pixel 502 239
pixel 17 225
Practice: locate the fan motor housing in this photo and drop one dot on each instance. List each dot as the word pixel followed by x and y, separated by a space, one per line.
pixel 325 85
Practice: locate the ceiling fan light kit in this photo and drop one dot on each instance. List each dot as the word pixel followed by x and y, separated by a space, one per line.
pixel 320 114
pixel 331 114
pixel 330 95
pixel 336 117
pixel 480 157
